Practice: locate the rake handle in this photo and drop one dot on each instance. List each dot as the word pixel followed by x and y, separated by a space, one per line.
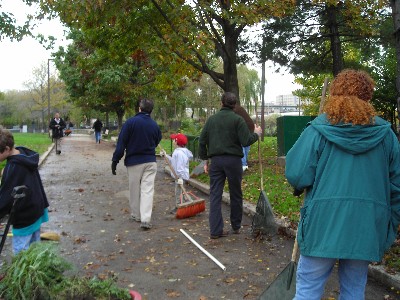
pixel 186 193
pixel 259 161
pixel 295 249
pixel 169 163
pixel 296 245
pixel 323 96
pixel 18 192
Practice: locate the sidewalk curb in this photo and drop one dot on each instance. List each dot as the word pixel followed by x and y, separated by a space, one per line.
pixel 379 274
pixel 375 271
pixel 43 157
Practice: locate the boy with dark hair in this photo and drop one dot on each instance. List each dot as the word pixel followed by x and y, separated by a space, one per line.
pixel 30 212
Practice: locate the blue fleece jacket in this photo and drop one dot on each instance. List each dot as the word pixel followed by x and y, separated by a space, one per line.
pixel 352 178
pixel 139 137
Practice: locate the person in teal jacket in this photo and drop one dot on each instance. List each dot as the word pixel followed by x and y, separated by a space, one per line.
pixel 347 160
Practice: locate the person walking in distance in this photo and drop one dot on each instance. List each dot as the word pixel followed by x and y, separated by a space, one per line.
pixel 97 126
pixel 347 160
pixel 138 139
pixel 57 126
pixel 221 140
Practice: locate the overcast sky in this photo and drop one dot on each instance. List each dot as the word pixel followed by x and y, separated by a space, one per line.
pixel 18 59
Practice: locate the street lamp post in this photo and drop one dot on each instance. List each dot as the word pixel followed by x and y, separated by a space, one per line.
pixel 299 105
pixel 48 89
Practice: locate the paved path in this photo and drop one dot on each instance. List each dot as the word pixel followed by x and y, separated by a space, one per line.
pixel 89 209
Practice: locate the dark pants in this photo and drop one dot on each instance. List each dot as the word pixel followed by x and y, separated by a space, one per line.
pixel 222 167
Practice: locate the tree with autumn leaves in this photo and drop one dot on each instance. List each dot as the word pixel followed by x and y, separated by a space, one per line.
pixel 191 34
pixel 321 38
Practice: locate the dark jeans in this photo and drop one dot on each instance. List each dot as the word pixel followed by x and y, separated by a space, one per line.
pixel 222 167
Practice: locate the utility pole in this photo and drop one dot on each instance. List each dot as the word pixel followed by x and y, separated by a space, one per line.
pixel 48 89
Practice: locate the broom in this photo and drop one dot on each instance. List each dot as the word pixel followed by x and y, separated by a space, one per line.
pixel 190 207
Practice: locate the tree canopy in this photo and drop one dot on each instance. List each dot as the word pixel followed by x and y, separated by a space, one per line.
pixel 9 27
pixel 157 46
pixel 190 34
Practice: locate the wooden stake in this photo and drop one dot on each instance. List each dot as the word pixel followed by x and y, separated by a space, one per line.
pixel 323 96
pixel 204 250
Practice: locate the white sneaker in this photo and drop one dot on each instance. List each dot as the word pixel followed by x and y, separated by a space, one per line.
pixel 146 225
pixel 245 168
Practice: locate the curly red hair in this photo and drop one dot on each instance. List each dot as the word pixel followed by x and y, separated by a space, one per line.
pixel 349 96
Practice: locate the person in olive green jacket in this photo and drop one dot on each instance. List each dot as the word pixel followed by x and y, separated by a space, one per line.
pixel 221 140
pixel 348 162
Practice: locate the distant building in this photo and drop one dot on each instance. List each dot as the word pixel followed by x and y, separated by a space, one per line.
pixel 283 105
pixel 287 100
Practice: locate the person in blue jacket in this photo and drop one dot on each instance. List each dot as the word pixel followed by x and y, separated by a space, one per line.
pixel 32 210
pixel 139 137
pixel 347 160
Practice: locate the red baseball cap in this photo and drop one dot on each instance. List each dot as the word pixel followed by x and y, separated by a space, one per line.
pixel 180 139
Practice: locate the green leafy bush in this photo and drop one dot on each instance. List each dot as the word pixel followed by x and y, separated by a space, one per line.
pixel 38 273
pixel 32 272
pixel 92 288
pixel 190 127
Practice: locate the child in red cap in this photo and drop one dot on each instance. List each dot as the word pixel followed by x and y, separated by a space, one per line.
pixel 180 163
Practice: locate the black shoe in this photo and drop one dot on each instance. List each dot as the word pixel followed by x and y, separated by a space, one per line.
pixel 223 234
pixel 58 152
pixel 236 231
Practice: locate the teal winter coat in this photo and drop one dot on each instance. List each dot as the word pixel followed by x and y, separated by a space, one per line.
pixel 351 175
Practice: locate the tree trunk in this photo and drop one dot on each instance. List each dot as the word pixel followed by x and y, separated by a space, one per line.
pixel 107 119
pixel 120 111
pixel 228 51
pixel 396 22
pixel 230 70
pixel 336 46
pixel 120 116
